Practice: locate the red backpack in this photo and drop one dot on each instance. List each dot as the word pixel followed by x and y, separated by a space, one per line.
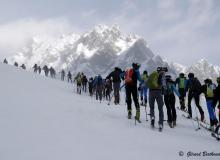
pixel 128 76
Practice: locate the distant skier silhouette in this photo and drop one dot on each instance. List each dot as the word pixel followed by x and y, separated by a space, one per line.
pixel 35 68
pixel 5 61
pixel 46 70
pixel 23 66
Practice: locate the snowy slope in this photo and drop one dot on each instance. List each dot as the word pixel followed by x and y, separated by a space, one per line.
pixel 44 119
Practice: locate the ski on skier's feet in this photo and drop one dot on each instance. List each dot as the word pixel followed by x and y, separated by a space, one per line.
pixel 185 111
pixel 215 136
pixel 136 120
pixel 129 116
pixel 170 125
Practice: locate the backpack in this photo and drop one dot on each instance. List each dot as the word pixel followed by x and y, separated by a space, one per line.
pixel 144 78
pixel 169 89
pixel 79 79
pixel 128 76
pixel 99 81
pixel 196 86
pixel 182 83
pixel 153 81
pixel 210 90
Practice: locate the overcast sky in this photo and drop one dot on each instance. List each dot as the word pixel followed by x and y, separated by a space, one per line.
pixel 183 31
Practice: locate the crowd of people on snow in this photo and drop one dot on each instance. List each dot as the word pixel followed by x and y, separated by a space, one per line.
pixel 160 87
pixel 147 88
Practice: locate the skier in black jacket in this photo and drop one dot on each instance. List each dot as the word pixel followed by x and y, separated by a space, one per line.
pixel 5 61
pixel 116 79
pixel 194 88
pixel 91 88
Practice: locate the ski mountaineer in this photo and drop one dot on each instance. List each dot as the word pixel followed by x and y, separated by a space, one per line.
pixel 62 75
pixel 108 89
pixel 98 84
pixel 5 61
pixel 132 75
pixel 69 76
pixel 169 99
pixel 46 70
pixel 208 89
pixel 181 82
pixel 194 88
pixel 52 72
pixel 157 83
pixel 116 76
pixel 217 97
pixel 84 83
pixel 91 81
pixel 23 66
pixel 144 88
pixel 16 64
pixel 39 69
pixel 35 68
pixel 78 80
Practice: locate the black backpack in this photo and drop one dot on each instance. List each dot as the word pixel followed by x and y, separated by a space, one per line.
pixel 196 86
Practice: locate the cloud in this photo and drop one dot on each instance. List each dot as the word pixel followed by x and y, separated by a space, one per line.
pixel 180 31
pixel 14 35
pixel 88 13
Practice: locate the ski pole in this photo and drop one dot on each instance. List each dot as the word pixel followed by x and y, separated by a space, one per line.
pixel 146 111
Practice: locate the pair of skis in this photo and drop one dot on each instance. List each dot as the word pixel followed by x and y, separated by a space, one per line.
pixel 152 126
pixel 205 125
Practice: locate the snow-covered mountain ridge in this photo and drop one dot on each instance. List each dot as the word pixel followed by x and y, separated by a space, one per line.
pixel 94 52
pixel 99 50
pixel 202 69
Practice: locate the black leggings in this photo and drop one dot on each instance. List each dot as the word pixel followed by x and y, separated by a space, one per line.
pixel 170 104
pixel 132 90
pixel 196 98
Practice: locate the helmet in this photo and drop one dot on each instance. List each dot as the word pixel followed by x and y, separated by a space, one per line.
pixel 182 75
pixel 145 72
pixel 136 65
pixel 207 81
pixel 191 75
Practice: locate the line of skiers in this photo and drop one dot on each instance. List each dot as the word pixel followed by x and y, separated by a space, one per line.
pixel 97 86
pixel 160 87
pixel 15 64
pixel 52 72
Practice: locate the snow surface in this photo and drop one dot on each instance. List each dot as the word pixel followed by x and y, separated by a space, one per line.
pixel 44 119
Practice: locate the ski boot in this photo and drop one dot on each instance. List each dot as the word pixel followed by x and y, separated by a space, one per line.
pixel 129 114
pixel 137 119
pixel 174 124
pixel 160 127
pixel 152 122
pixel 170 124
pixel 189 117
